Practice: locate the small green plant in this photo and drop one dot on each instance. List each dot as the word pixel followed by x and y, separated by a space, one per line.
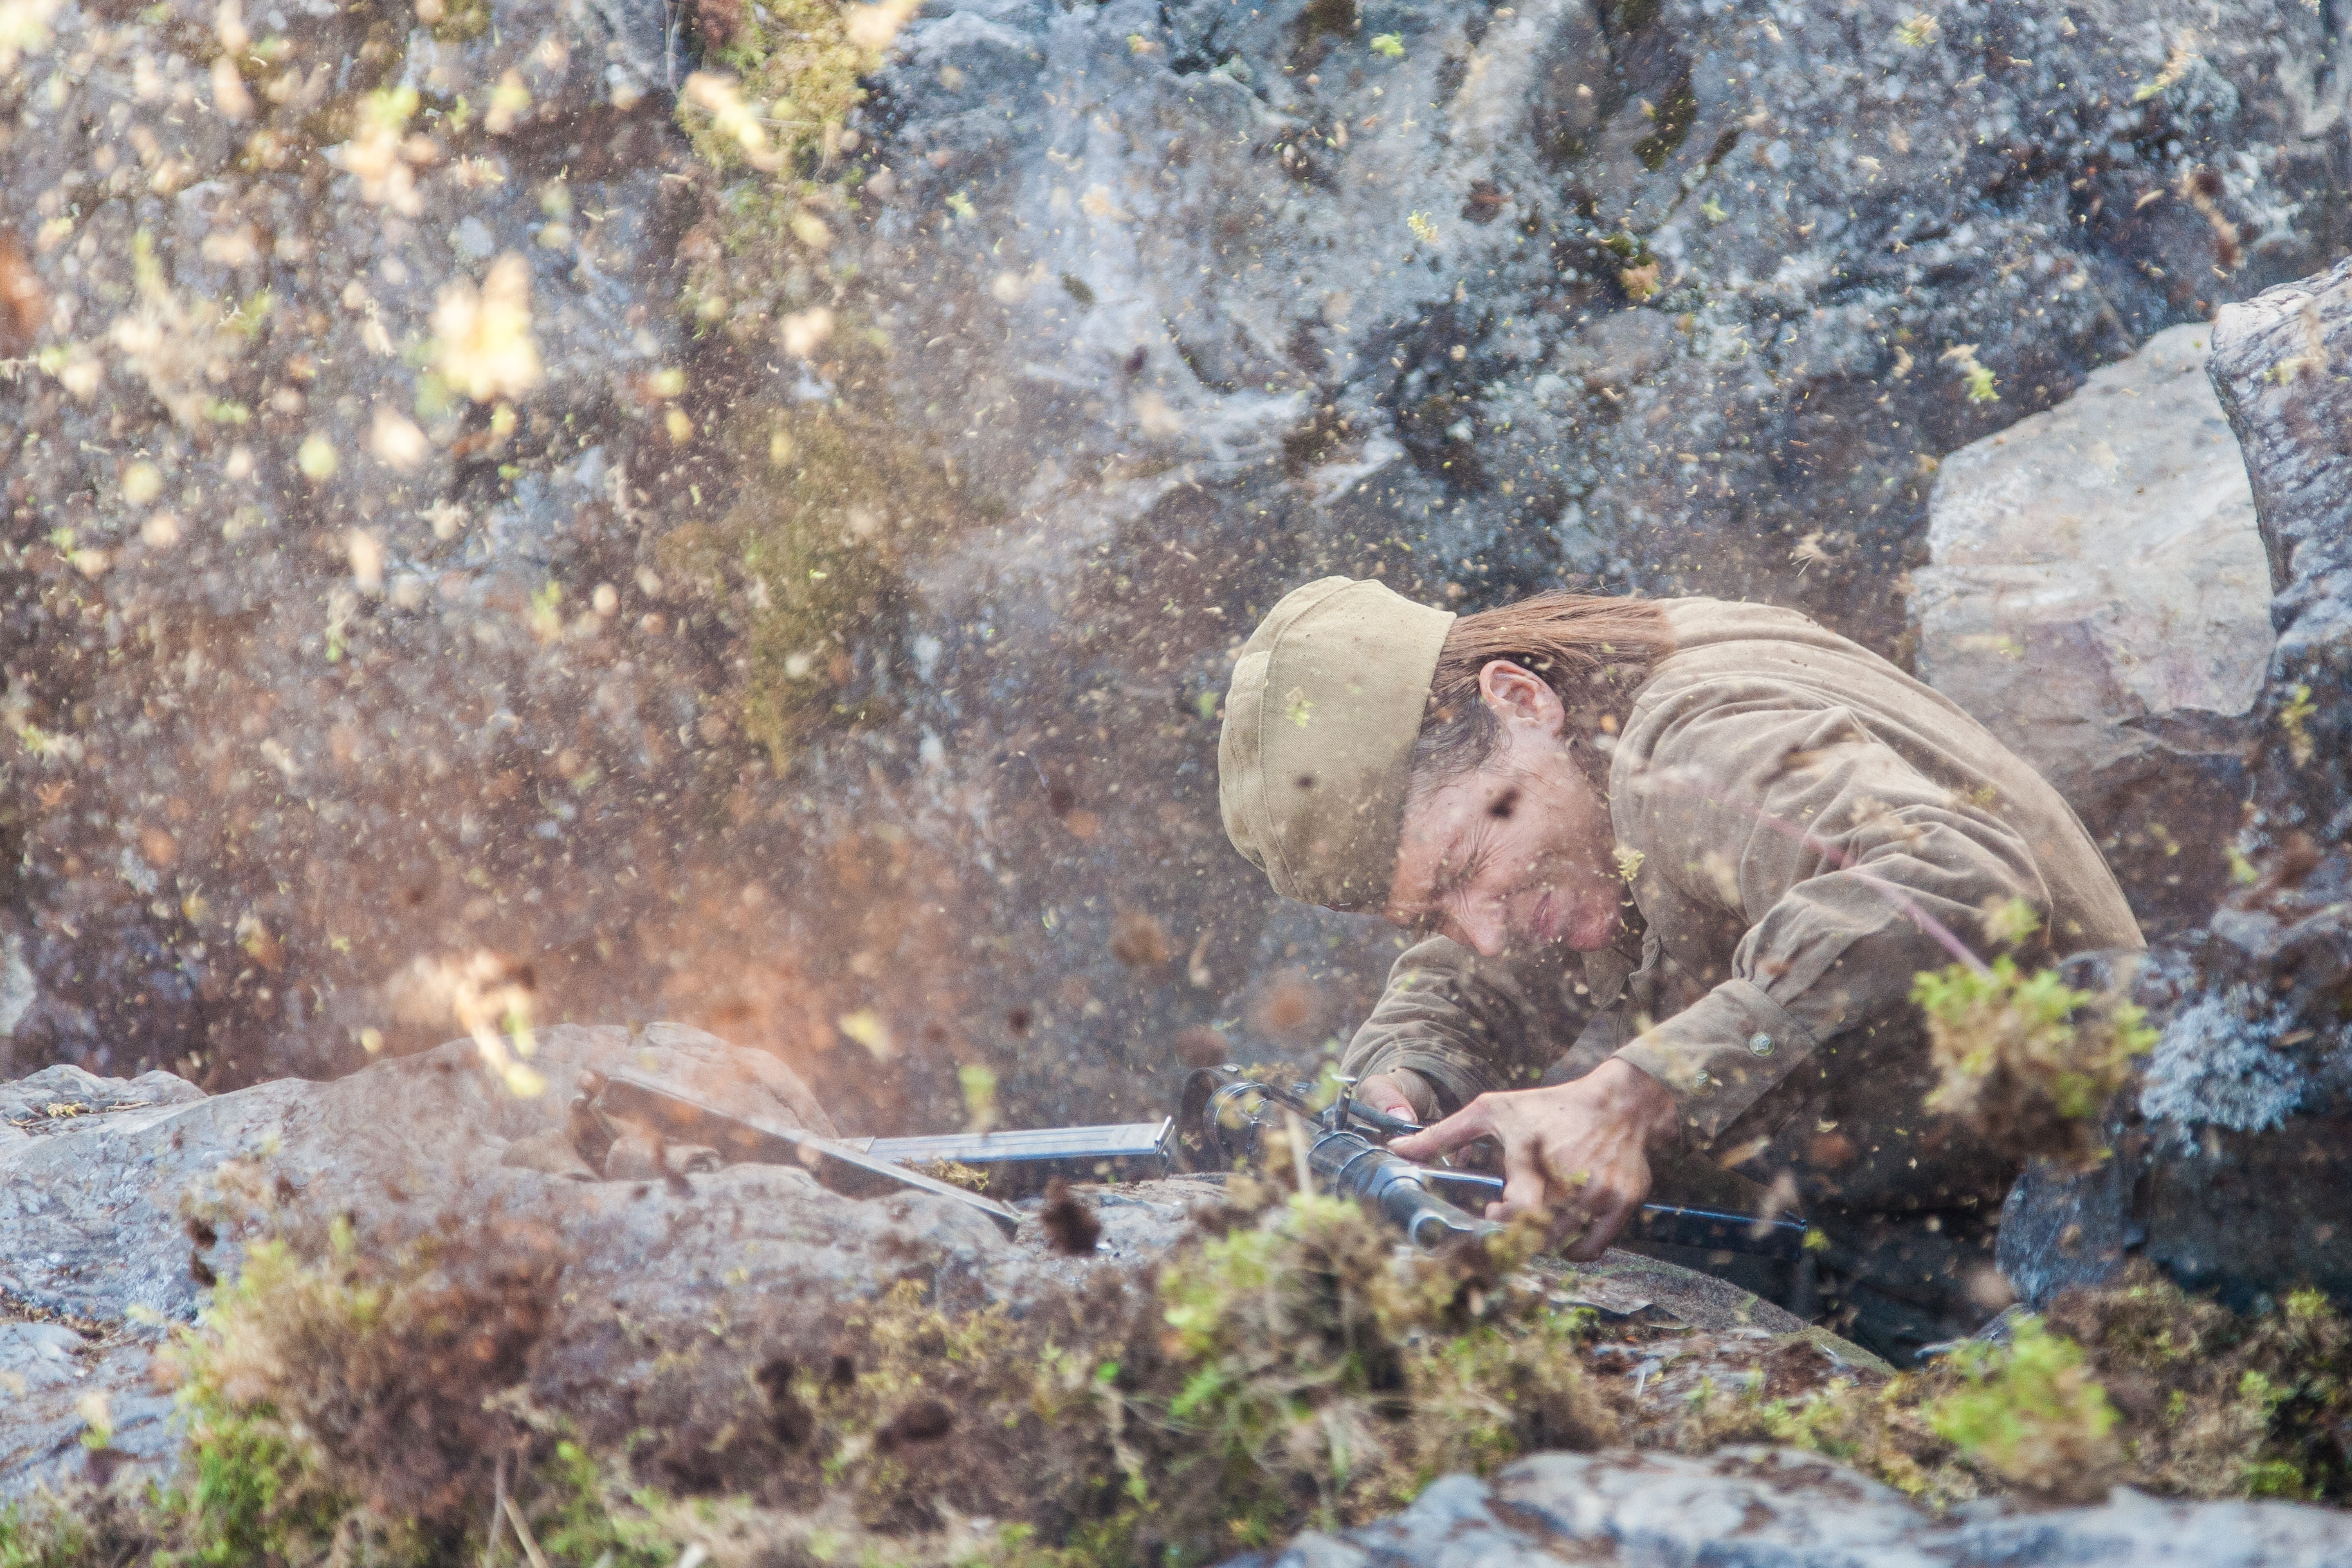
pixel 2295 720
pixel 2026 1060
pixel 2029 1412
pixel 1388 46
pixel 2183 59
pixel 334 1401
pixel 1918 30
pixel 1978 383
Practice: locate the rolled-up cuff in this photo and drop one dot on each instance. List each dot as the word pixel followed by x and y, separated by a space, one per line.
pixel 1718 1055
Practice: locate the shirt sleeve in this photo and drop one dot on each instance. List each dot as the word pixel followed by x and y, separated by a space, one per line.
pixel 1466 1024
pixel 1851 869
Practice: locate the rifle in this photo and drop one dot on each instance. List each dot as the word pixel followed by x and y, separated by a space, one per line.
pixel 1221 1123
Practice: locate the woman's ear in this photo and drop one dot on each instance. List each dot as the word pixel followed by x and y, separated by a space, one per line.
pixel 1516 695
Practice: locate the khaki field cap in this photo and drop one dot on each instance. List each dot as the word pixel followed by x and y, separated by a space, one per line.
pixel 1325 703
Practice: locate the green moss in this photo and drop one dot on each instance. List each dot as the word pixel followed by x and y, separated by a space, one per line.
pixel 257 1487
pixel 45 1536
pixel 1291 1368
pixel 2027 1410
pixel 461 21
pixel 578 1518
pixel 770 126
pixel 808 565
pixel 2026 1060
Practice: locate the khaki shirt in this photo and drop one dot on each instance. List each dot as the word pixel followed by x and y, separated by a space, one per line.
pixel 1796 816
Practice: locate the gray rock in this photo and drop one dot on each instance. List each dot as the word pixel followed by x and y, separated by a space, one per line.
pixel 101 1247
pixel 1769 1507
pixel 2097 593
pixel 94 1220
pixel 2278 364
pixel 2232 1148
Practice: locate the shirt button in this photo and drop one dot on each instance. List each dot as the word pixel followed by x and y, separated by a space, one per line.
pixel 1701 1081
pixel 1760 1045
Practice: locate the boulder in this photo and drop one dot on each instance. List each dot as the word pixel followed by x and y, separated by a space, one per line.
pixel 117 1218
pixel 2097 593
pixel 1769 1507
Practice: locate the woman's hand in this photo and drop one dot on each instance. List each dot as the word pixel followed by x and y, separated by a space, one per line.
pixel 1577 1154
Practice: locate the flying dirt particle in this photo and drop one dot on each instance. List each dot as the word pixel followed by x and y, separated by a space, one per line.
pixel 366 553
pixel 1071 1225
pixel 1503 804
pixel 23 300
pixel 230 99
pixel 201 1233
pixel 924 1421
pixel 873 26
pixel 977 1082
pixel 1201 1046
pixel 259 944
pixel 395 440
pixel 1138 941
pixel 1485 202
pixel 718 98
pixel 1830 1150
pixel 1290 1008
pixel 789 1418
pixel 24 30
pixel 1083 824
pixel 804 331
pixel 483 336
pixel 866 1027
pixel 1153 412
pixel 158 847
pixel 202 1272
pixel 1989 1289
pixel 1017 1020
pixel 317 459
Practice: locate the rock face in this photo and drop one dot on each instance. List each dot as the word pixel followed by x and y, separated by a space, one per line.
pixel 1747 1508
pixel 2279 363
pixel 2097 590
pixel 319 664
pixel 2235 1144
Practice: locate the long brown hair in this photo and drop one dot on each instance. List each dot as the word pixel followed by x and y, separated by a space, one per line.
pixel 1593 650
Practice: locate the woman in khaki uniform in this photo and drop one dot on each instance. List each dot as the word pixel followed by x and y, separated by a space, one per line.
pixel 1751 831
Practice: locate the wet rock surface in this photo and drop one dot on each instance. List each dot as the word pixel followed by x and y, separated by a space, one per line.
pixel 1765 1506
pixel 328 652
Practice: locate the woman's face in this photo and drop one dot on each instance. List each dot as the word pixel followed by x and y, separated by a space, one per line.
pixel 1513 856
